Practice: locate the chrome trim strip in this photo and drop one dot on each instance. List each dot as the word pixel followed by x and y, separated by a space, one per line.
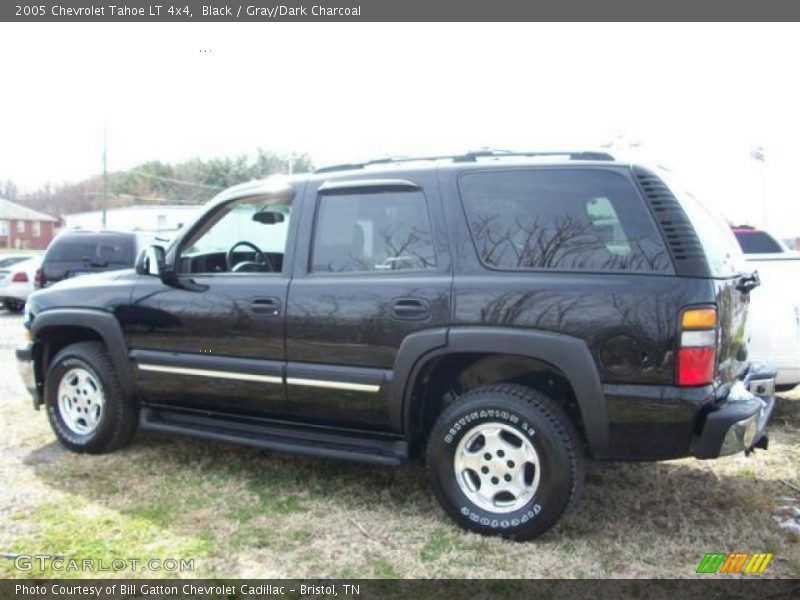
pixel 335 385
pixel 210 373
pixel 320 383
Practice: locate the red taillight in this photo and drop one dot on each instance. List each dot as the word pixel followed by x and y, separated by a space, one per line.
pixel 19 277
pixel 697 349
pixel 37 279
pixel 696 366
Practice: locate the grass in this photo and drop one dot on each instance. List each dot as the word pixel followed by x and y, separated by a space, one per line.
pixel 238 512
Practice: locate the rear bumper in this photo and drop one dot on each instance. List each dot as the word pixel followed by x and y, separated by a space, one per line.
pixel 739 422
pixel 16 291
pixel 788 369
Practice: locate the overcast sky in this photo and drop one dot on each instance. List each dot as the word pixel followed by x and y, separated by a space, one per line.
pixel 699 98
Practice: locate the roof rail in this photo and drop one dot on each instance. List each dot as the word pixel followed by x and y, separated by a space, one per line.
pixel 468 157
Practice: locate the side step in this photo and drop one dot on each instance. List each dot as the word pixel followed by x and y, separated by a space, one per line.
pixel 274 435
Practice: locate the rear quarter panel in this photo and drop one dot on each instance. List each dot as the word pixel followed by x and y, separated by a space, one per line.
pixel 593 307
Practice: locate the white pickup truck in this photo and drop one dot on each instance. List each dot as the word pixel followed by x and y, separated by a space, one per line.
pixel 775 305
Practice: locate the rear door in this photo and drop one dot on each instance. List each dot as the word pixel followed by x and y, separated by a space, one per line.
pixel 372 268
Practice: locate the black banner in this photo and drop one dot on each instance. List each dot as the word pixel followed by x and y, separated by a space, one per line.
pixel 733 588
pixel 398 10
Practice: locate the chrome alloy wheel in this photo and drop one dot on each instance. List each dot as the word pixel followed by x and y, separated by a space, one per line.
pixel 80 401
pixel 497 467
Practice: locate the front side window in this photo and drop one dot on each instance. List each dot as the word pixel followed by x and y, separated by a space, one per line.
pixel 561 219
pixel 247 235
pixel 364 232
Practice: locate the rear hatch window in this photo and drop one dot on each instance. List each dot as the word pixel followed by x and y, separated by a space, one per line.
pixel 757 242
pixel 86 253
pixel 724 256
pixel 107 251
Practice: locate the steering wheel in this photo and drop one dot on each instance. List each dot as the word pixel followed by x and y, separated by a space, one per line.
pixel 261 259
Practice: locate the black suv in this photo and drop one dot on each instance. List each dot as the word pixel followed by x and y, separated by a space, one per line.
pixel 502 317
pixel 76 253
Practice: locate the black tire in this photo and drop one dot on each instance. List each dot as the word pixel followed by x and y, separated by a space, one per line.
pixel 537 420
pixel 785 387
pixel 119 417
pixel 14 306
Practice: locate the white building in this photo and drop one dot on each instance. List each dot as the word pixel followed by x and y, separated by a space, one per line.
pixel 162 219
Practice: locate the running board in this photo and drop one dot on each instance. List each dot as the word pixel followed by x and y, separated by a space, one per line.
pixel 271 435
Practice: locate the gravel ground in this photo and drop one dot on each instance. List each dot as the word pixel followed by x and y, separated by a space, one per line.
pixel 238 512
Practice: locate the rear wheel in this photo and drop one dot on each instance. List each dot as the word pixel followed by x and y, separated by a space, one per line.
pixel 505 460
pixel 15 306
pixel 85 403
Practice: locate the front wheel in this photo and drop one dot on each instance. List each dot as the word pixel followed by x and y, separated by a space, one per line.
pixel 505 460
pixel 85 403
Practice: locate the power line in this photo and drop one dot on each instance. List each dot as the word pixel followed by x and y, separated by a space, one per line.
pixel 179 181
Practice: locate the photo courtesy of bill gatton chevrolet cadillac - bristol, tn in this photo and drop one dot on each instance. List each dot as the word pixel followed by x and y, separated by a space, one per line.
pixel 500 317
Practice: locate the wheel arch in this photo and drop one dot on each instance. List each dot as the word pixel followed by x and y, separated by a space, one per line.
pixel 514 353
pixel 55 329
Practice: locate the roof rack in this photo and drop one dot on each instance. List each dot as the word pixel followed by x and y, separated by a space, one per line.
pixel 468 157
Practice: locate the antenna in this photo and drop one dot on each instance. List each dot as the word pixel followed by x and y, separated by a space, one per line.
pixel 105 171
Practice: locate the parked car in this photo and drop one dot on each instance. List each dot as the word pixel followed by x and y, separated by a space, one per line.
pixel 78 252
pixel 757 242
pixel 8 260
pixel 501 317
pixel 775 312
pixel 16 283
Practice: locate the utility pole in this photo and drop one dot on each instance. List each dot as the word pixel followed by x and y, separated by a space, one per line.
pixel 105 171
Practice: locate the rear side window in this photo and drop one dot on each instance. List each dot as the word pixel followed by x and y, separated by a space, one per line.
pixel 386 232
pixel 561 219
pixel 101 250
pixel 757 242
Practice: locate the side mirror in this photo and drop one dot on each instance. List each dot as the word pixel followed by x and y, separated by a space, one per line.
pixel 151 261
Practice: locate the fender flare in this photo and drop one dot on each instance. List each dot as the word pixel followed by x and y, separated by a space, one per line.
pixel 569 354
pixel 103 323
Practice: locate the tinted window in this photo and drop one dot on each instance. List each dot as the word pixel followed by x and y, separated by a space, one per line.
pixel 564 219
pixel 102 250
pixel 757 242
pixel 373 232
pixel 12 260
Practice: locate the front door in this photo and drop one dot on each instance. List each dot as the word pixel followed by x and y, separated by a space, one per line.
pixel 371 272
pixel 213 339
